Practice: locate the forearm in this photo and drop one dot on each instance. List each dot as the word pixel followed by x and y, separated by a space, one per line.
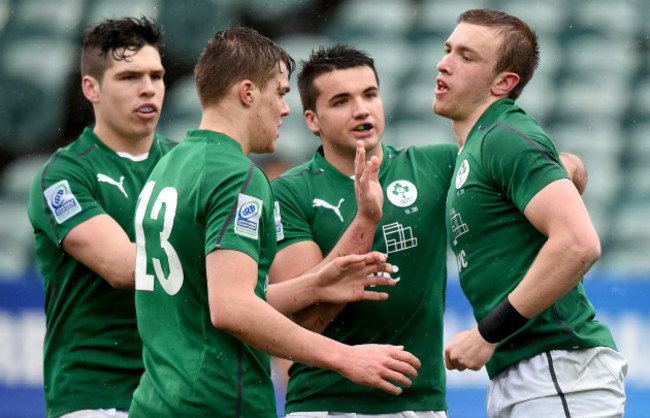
pixel 317 317
pixel 293 295
pixel 101 244
pixel 357 239
pixel 256 323
pixel 559 266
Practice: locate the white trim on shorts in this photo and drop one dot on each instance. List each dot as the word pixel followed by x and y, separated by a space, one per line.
pixel 561 383
pixel 402 414
pixel 98 413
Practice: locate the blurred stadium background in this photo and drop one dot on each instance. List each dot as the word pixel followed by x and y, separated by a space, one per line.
pixel 591 93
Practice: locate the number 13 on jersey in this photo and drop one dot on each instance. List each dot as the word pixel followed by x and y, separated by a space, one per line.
pixel 172 282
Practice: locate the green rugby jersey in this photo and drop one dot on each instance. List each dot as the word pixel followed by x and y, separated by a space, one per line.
pixel 317 203
pixel 204 195
pixel 92 352
pixel 506 160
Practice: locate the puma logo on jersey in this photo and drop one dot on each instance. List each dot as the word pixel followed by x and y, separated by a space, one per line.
pixel 104 178
pixel 323 204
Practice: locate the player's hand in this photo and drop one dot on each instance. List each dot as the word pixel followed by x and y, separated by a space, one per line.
pixel 468 350
pixel 369 193
pixel 576 169
pixel 380 365
pixel 346 278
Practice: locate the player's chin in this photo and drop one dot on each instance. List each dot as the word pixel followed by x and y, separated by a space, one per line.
pixel 270 147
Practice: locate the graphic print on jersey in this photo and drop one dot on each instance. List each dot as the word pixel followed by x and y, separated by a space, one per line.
pixel 120 185
pixel 398 238
pixel 320 203
pixel 249 211
pixel 61 201
pixel 402 193
pixel 458 227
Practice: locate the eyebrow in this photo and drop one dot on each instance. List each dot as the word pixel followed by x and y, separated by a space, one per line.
pixel 462 48
pixel 159 71
pixel 346 94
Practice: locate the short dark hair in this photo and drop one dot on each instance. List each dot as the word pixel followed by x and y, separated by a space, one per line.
pixel 119 37
pixel 325 60
pixel 519 51
pixel 236 54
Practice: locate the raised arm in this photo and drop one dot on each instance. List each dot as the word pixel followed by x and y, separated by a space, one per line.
pixel 234 307
pixel 306 256
pixel 101 244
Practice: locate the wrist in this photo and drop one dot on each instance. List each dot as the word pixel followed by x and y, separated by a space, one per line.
pixel 369 221
pixel 503 321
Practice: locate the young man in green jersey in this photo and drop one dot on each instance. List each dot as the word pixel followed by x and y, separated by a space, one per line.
pixel 206 237
pixel 322 218
pixel 81 206
pixel 339 89
pixel 522 236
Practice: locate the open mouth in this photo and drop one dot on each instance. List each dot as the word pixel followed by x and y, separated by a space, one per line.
pixel 363 127
pixel 146 109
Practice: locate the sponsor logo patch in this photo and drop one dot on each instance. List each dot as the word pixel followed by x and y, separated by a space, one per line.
pixel 249 211
pixel 61 201
pixel 279 231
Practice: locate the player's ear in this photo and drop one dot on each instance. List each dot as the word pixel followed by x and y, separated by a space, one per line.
pixel 313 123
pixel 504 83
pixel 91 88
pixel 246 94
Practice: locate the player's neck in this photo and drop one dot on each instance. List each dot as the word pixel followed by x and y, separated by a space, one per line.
pixel 135 145
pixel 343 160
pixel 463 126
pixel 229 122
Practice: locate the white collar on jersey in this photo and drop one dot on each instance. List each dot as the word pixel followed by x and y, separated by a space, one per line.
pixel 133 157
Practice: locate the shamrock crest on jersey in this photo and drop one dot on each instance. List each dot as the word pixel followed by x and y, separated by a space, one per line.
pixel 463 172
pixel 402 193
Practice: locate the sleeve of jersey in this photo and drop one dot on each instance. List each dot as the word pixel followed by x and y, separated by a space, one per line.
pixel 62 196
pixel 234 219
pixel 520 165
pixel 292 221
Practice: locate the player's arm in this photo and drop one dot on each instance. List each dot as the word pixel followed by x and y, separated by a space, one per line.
pixel 101 244
pixel 576 169
pixel 306 256
pixel 344 279
pixel 234 308
pixel 571 249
